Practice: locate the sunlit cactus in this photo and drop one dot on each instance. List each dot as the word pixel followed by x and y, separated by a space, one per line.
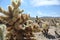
pixel 1 34
pixel 29 22
pixel 12 13
pixel 16 3
pixel 3 11
pixel 36 27
pixel 45 27
pixel 2 31
pixel 14 20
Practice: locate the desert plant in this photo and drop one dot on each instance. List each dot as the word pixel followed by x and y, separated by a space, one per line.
pixel 1 34
pixel 14 20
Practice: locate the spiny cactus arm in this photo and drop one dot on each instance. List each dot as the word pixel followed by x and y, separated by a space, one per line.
pixel 15 15
pixel 14 18
pixel 10 9
pixel 16 12
pixel 3 11
pixel 16 4
pixel 21 11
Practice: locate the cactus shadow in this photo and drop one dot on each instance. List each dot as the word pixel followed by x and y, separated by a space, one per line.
pixel 48 36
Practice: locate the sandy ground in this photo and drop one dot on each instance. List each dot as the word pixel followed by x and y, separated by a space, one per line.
pixel 40 36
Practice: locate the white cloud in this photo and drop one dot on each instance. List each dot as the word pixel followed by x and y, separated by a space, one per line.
pixel 22 1
pixel 40 14
pixel 44 2
pixel 50 14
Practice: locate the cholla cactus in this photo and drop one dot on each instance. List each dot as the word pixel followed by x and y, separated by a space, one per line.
pixel 36 27
pixel 1 34
pixel 45 27
pixel 37 19
pixel 12 15
pixel 14 20
pixel 29 22
pixel 2 31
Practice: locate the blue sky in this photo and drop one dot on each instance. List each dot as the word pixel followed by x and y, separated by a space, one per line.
pixel 37 7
